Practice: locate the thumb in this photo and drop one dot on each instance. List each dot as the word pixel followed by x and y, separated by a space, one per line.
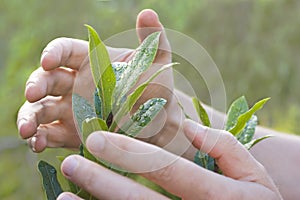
pixel 232 158
pixel 147 23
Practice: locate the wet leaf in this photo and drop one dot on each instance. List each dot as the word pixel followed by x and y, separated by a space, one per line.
pixel 238 107
pixel 82 109
pixel 141 61
pixel 143 116
pixel 204 160
pixel 202 114
pixel 102 71
pixel 50 182
pixel 245 117
pixel 247 133
pixel 135 95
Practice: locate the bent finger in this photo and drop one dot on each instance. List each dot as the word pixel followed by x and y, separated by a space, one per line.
pixel 47 110
pixel 68 52
pixel 54 135
pixel 100 182
pixel 41 83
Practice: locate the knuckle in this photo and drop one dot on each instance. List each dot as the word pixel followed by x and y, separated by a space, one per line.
pixel 163 175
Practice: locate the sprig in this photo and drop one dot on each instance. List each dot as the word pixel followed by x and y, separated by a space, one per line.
pixel 241 123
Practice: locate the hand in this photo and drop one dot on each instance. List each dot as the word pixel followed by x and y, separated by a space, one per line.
pixel 244 177
pixel 46 118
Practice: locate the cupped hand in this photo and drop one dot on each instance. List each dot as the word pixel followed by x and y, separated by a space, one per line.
pixel 244 177
pixel 46 118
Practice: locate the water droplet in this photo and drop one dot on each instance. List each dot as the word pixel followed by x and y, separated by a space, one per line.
pixel 53 171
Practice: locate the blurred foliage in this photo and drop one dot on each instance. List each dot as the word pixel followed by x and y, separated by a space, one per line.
pixel 255 44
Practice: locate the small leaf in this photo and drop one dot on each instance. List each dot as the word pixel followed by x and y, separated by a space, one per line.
pixel 238 107
pixel 142 60
pixel 50 182
pixel 203 116
pixel 245 117
pixel 204 160
pixel 250 144
pixel 81 109
pixel 91 125
pixel 135 95
pixel 247 134
pixel 143 116
pixel 102 71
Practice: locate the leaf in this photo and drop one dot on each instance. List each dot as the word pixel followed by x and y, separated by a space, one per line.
pixel 238 107
pixel 91 125
pixel 143 116
pixel 245 117
pixel 97 103
pixel 102 71
pixel 135 95
pixel 250 144
pixel 50 182
pixel 204 160
pixel 247 134
pixel 203 116
pixel 82 109
pixel 141 61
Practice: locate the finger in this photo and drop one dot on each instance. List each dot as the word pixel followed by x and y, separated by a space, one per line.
pixel 147 23
pixel 173 173
pixel 68 196
pixel 100 182
pixel 233 159
pixel 68 52
pixel 54 135
pixel 47 110
pixel 41 83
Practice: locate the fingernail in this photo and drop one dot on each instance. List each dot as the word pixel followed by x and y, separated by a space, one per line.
pixel 43 55
pixel 95 142
pixel 69 165
pixel 64 196
pixel 21 123
pixel 32 142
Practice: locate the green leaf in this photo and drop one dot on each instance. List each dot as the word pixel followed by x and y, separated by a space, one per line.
pixel 245 117
pixel 50 182
pixel 91 125
pixel 102 71
pixel 143 116
pixel 82 109
pixel 135 95
pixel 250 144
pixel 203 116
pixel 247 133
pixel 238 107
pixel 204 160
pixel 142 60
pixel 97 103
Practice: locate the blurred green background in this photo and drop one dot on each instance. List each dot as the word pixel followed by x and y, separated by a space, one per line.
pixel 255 44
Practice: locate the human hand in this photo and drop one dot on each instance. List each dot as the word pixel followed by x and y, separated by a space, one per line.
pixel 244 177
pixel 46 119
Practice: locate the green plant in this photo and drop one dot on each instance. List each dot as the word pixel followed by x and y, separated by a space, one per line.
pixel 112 102
pixel 241 122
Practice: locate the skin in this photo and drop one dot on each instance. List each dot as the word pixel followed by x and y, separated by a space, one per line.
pixel 46 120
